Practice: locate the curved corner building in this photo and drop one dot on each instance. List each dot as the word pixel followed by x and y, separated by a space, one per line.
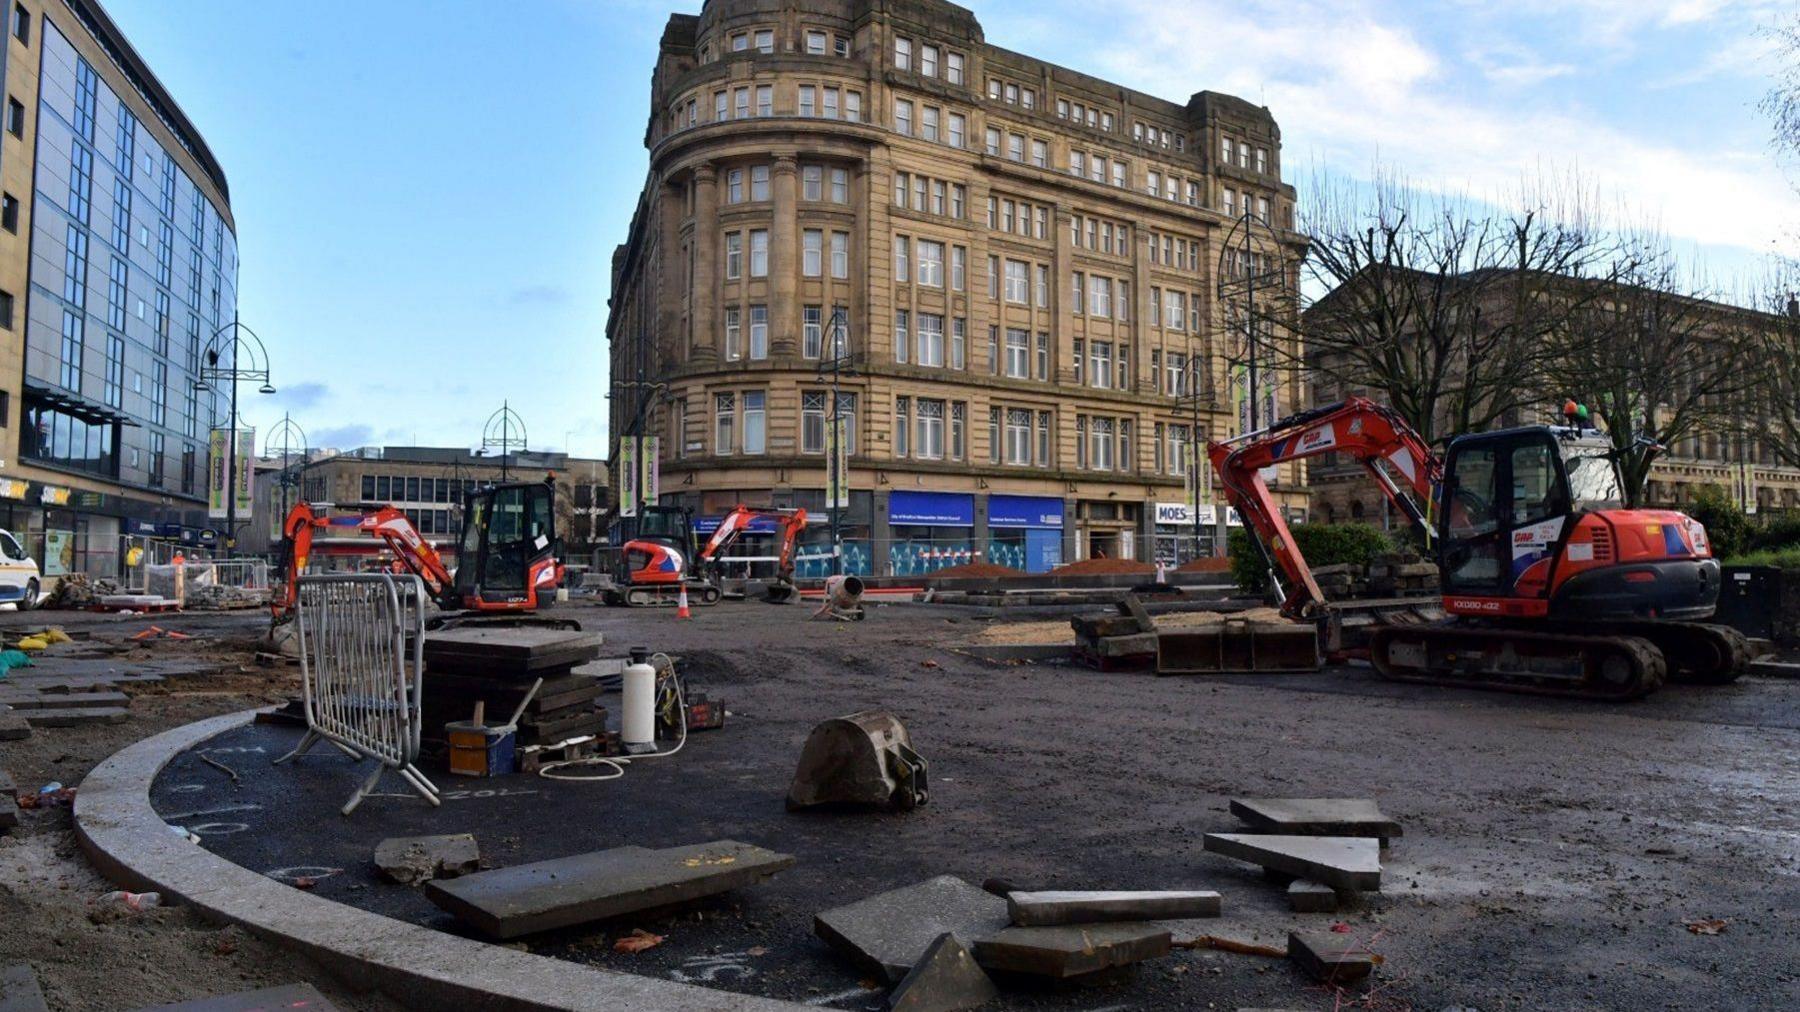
pixel 118 263
pixel 1023 258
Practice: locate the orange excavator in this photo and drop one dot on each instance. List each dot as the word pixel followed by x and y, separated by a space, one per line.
pixel 661 558
pixel 507 558
pixel 1550 585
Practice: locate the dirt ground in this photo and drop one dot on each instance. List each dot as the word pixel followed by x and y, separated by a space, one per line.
pixel 91 955
pixel 1553 853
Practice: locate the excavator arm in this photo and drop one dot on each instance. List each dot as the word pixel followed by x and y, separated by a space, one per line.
pixel 789 524
pixel 1374 436
pixel 387 523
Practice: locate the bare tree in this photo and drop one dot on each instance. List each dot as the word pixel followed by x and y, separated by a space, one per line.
pixel 1653 356
pixel 1782 103
pixel 1441 306
pixel 1777 347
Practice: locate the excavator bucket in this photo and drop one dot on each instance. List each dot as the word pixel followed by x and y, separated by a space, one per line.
pixel 1236 644
pixel 865 758
pixel 781 591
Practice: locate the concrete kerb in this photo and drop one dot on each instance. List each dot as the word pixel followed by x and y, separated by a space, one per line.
pixel 421 968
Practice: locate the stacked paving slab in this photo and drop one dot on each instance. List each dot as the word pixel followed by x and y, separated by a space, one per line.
pixel 497 666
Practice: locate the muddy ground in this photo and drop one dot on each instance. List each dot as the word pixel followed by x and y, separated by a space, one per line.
pixel 1553 850
pixel 90 955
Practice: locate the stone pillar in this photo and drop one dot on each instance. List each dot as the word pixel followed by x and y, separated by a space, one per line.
pixel 702 311
pixel 665 335
pixel 784 268
pixel 978 535
pixel 880 533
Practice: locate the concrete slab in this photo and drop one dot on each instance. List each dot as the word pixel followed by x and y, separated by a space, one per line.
pixel 946 979
pixel 76 716
pixel 509 652
pixel 1316 817
pixel 63 700
pixel 887 934
pixel 1070 950
pixel 19 991
pixel 510 902
pixel 409 859
pixel 287 998
pixel 12 726
pixel 1039 909
pixel 1329 956
pixel 1309 897
pixel 1342 862
pixel 9 811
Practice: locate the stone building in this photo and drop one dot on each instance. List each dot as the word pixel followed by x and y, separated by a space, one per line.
pixel 1016 259
pixel 1738 462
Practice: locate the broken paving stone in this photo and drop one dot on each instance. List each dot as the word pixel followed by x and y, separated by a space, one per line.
pixel 1308 897
pixel 509 902
pixel 409 859
pixel 1038 909
pixel 288 996
pixel 1330 956
pixel 887 934
pixel 19 991
pixel 76 716
pixel 1074 950
pixel 945 979
pixel 1349 863
pixel 12 726
pixel 1316 817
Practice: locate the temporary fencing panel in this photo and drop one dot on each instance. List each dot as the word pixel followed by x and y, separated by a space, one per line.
pixel 361 641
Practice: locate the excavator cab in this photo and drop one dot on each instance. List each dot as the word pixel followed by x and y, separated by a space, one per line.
pixel 509 546
pixel 1509 496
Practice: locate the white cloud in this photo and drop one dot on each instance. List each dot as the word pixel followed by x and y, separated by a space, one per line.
pixel 1347 86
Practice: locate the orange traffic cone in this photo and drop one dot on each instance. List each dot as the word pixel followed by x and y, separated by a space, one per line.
pixel 681 604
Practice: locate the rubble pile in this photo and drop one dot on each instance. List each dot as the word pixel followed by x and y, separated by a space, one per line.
pixel 79 590
pixel 218 597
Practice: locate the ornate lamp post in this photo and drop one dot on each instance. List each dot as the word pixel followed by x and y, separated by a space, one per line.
pixel 290 434
pixel 504 431
pixel 241 356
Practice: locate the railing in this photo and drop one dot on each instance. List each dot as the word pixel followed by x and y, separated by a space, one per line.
pixel 361 657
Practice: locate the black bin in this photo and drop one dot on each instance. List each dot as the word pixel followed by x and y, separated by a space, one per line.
pixel 1750 599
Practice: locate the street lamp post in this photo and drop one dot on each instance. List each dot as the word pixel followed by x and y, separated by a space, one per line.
pixel 288 430
pixel 1193 394
pixel 498 432
pixel 249 361
pixel 839 363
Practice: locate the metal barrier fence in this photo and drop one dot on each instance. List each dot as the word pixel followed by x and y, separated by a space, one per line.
pixel 362 642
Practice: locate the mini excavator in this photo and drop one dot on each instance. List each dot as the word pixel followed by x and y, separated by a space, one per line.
pixel 1550 585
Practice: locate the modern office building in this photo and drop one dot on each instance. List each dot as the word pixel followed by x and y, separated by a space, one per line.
pixel 118 264
pixel 1024 260
pixel 428 483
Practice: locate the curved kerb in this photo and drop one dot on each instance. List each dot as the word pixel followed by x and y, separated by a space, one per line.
pixel 421 968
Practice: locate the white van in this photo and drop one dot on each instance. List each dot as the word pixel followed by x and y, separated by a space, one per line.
pixel 19 576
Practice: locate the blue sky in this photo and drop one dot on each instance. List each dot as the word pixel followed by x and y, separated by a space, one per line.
pixel 428 193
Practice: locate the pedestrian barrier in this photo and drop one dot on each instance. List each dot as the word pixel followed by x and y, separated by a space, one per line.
pixel 361 642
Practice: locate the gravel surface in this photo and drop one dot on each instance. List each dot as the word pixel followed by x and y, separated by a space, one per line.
pixel 1553 850
pixel 93 955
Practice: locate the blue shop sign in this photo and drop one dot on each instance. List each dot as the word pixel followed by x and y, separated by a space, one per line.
pixel 758 525
pixel 932 509
pixel 141 528
pixel 1024 511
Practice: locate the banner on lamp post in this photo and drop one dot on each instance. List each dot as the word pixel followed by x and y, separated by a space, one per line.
pixel 635 474
pixel 246 472
pixel 216 458
pixel 218 473
pixel 837 465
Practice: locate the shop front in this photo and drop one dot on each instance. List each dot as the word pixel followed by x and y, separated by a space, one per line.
pixel 929 531
pixel 1177 539
pixel 1025 532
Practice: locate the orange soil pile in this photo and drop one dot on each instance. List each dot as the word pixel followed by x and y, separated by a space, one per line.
pixel 1104 567
pixel 1208 565
pixel 977 570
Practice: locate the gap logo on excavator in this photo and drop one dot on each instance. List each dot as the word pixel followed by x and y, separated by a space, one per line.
pixel 1549 583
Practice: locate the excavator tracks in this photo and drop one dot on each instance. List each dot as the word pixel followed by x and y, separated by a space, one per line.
pixel 1612 668
pixel 1698 653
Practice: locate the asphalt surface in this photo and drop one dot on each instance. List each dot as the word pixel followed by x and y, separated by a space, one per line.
pixel 1554 850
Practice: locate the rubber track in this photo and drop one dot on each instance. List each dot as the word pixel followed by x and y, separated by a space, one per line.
pixel 1651 667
